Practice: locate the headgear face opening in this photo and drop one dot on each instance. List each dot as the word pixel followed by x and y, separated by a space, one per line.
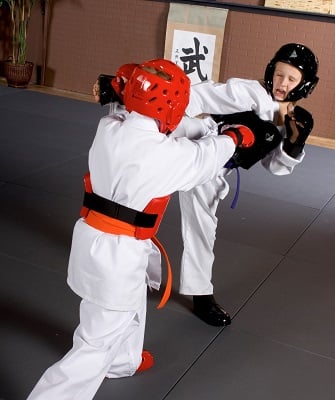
pixel 158 89
pixel 304 60
pixel 123 75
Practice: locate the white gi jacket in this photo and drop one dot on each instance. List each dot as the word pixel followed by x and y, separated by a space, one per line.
pixel 199 205
pixel 131 162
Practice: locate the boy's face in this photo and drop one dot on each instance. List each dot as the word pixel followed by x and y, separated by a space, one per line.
pixel 285 78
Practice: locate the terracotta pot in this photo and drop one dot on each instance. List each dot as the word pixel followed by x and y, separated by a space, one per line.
pixel 17 75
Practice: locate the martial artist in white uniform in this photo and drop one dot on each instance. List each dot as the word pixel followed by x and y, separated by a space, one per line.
pixel 289 76
pixel 131 162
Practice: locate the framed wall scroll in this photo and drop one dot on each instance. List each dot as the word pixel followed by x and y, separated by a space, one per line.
pixel 194 40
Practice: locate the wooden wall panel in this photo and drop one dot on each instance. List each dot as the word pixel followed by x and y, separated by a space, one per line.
pixel 87 37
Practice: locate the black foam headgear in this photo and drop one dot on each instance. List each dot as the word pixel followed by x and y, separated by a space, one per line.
pixel 298 56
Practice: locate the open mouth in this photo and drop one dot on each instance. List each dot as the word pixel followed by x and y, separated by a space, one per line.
pixel 279 93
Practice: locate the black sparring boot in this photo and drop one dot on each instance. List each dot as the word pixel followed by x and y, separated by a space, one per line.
pixel 206 308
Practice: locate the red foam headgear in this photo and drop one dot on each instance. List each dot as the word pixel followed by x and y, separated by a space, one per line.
pixel 158 89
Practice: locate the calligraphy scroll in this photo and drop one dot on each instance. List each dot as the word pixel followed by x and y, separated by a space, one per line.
pixel 194 40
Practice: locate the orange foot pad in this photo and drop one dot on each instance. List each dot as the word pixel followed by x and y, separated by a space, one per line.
pixel 147 361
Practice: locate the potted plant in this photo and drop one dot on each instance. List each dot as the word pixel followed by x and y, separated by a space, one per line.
pixel 17 69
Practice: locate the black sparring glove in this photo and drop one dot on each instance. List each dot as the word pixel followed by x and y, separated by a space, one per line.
pixel 304 123
pixel 267 137
pixel 107 92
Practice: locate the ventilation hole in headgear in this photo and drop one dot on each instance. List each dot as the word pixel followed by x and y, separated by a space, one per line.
pixel 152 99
pixel 165 92
pixel 177 93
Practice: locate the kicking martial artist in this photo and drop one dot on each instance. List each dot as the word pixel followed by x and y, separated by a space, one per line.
pixel 290 76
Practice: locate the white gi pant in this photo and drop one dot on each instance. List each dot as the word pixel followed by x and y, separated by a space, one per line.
pixel 106 343
pixel 198 208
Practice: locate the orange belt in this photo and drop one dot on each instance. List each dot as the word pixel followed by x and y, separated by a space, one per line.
pixel 111 225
